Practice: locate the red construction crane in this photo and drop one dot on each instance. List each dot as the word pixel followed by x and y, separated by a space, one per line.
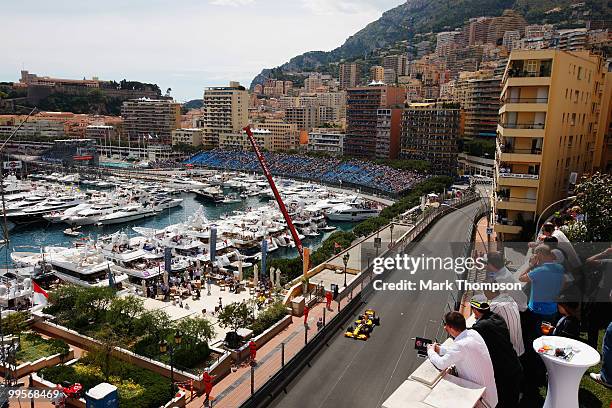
pixel 279 200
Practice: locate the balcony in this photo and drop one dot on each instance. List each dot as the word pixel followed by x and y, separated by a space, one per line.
pixel 524 105
pixel 521 130
pixel 507 229
pixel 517 179
pixel 517 204
pixel 512 155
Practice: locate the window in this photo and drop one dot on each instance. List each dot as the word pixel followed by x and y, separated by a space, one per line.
pixel 571 141
pixel 579 73
pixel 532 66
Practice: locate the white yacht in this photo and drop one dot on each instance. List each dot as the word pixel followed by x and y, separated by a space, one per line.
pixel 351 212
pixel 90 215
pixel 84 266
pixel 214 194
pixel 128 213
pixel 165 203
pixel 46 207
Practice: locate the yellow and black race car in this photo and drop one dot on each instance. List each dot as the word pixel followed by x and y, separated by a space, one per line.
pixel 364 325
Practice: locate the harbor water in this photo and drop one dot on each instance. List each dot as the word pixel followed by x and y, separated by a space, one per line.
pixel 31 237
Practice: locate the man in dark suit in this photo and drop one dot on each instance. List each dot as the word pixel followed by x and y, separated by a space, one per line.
pixel 506 365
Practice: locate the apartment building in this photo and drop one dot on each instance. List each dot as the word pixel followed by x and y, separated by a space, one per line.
pixel 388 130
pixel 362 116
pixel 283 136
pixel 224 110
pixel 150 119
pixel 187 136
pixel 349 74
pixel 240 141
pixel 397 63
pixel 550 127
pixel 377 73
pixel 430 131
pixel 326 140
pixel 313 82
pixel 478 93
pixel 304 117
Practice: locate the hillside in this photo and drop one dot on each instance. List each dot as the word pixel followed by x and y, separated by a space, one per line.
pixel 414 17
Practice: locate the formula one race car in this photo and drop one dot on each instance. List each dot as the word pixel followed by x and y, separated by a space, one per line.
pixel 364 325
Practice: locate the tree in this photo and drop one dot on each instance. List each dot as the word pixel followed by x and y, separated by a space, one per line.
pixel 108 339
pixel 15 323
pixel 235 315
pixel 594 196
pixel 195 330
pixel 124 312
pixel 154 323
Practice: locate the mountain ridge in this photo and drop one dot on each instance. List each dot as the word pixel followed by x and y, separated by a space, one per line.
pixel 414 17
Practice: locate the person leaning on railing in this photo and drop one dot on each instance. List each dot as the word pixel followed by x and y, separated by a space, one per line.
pixel 468 353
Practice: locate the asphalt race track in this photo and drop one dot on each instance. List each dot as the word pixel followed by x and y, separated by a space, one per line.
pixel 362 374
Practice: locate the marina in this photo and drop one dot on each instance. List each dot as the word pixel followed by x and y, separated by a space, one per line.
pixel 81 229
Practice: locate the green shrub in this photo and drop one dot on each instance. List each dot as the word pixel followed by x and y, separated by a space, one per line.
pixel 268 318
pixel 137 387
pixel 369 226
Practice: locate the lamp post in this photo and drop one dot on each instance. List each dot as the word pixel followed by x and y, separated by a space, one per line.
pixel 165 347
pixel 345 260
pixel 391 228
pixel 537 226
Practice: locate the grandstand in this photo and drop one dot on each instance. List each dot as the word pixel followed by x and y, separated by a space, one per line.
pixel 72 151
pixel 366 176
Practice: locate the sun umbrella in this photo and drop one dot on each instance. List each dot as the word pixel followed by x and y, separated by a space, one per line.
pixel 255 277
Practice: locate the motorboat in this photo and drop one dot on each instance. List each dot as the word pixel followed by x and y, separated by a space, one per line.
pixel 214 194
pixel 92 214
pixel 166 203
pixel 351 212
pixel 128 213
pixel 73 231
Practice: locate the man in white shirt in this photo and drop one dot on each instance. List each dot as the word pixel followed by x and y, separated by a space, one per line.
pixel 469 355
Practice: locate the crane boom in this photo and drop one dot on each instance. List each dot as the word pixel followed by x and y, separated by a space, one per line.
pixel 279 200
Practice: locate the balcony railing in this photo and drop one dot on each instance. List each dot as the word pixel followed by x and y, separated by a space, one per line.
pixel 522 125
pixel 544 71
pixel 519 175
pixel 510 149
pixel 517 200
pixel 525 100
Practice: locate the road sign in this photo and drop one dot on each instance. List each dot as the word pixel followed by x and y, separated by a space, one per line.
pixel 377 242
pixel 11 165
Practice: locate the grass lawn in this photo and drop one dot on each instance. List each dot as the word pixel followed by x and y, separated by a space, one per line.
pixel 591 394
pixel 32 347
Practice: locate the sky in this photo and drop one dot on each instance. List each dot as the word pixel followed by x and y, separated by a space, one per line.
pixel 185 45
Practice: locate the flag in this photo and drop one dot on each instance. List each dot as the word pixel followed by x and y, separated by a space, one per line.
pixel 39 296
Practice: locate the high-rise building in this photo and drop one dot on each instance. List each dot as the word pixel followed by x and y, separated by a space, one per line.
pixel 377 73
pixel 550 127
pixel 398 63
pixel 509 39
pixel 388 130
pixel 187 136
pixel 224 110
pixel 349 75
pixel 304 117
pixel 538 30
pixel 362 116
pixel 150 120
pixel 283 136
pixel 478 29
pixel 430 132
pixel 445 41
pixel 313 82
pixel 326 140
pixel 479 98
pixel 510 20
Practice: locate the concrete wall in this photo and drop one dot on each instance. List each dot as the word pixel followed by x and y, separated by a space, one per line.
pixel 33 366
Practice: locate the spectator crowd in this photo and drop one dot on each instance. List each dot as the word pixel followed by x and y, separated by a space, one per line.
pixel 565 293
pixel 353 173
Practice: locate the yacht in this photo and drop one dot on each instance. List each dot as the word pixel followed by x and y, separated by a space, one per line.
pixel 351 212
pixel 214 194
pixel 84 266
pixel 91 214
pixel 128 213
pixel 165 203
pixel 46 207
